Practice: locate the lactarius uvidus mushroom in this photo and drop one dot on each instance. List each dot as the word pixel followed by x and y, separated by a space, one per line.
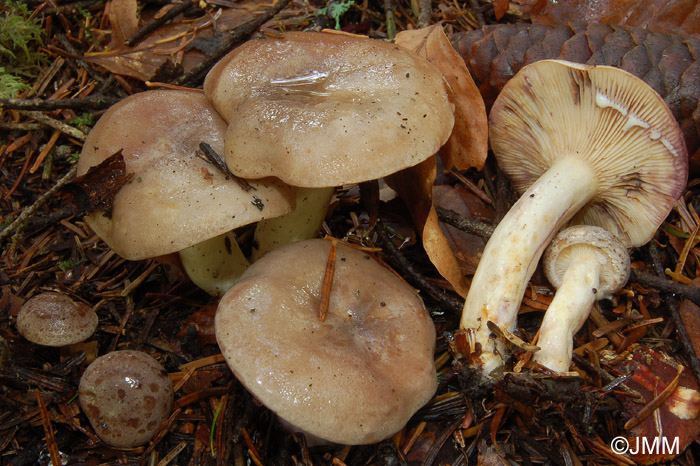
pixel 320 110
pixel 585 263
pixel 125 395
pixel 586 145
pixel 176 199
pixel 54 319
pixel 354 378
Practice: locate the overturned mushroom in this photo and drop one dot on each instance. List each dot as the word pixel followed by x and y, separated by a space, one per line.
pixel 176 199
pixel 320 110
pixel 585 263
pixel 125 395
pixel 356 377
pixel 54 319
pixel 591 145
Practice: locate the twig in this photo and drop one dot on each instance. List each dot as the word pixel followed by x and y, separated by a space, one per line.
pixel 85 103
pixel 661 283
pixel 463 223
pixel 681 331
pixel 390 19
pixel 29 211
pixel 413 276
pixel 157 22
pixel 241 33
pixel 425 13
pixel 55 124
pixel 327 284
pixel 48 430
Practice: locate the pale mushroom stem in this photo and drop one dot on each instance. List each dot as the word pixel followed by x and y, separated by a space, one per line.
pixel 569 309
pixel 303 223
pixel 514 249
pixel 216 264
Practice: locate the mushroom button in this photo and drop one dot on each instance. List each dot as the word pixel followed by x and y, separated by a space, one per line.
pixel 125 395
pixel 586 145
pixel 320 110
pixel 54 319
pixel 585 263
pixel 176 199
pixel 354 378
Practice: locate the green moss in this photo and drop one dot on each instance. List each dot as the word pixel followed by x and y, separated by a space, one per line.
pixel 20 39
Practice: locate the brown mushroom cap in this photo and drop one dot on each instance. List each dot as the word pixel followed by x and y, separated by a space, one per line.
pixel 319 110
pixel 175 199
pixel 54 319
pixel 354 379
pixel 609 118
pixel 125 395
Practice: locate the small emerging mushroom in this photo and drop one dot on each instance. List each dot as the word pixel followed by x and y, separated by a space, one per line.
pixel 585 145
pixel 585 263
pixel 125 395
pixel 356 377
pixel 320 110
pixel 176 199
pixel 54 319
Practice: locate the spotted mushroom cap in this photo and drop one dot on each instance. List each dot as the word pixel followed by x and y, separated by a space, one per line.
pixel 54 319
pixel 611 254
pixel 606 116
pixel 321 110
pixel 175 199
pixel 125 395
pixel 355 378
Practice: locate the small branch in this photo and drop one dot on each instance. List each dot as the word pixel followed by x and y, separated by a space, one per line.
pixel 465 224
pixel 681 331
pixel 86 103
pixel 665 285
pixel 29 211
pixel 414 277
pixel 425 13
pixel 238 35
pixel 157 22
pixel 55 124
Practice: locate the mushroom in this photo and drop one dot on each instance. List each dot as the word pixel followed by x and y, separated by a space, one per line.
pixel 125 395
pixel 176 199
pixel 320 110
pixel 584 144
pixel 355 378
pixel 585 263
pixel 54 319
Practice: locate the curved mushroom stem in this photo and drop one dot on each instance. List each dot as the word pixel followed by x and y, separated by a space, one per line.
pixel 569 309
pixel 512 253
pixel 216 264
pixel 304 222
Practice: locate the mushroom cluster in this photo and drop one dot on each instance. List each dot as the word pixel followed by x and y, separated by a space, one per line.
pixel 585 145
pixel 320 110
pixel 299 114
pixel 176 199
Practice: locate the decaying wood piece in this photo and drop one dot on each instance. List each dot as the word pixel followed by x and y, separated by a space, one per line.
pixel 669 63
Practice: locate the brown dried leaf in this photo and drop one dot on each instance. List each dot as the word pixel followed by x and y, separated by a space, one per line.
pixel 468 144
pixel 123 18
pixel 668 16
pixel 95 190
pixel 467 247
pixel 415 185
pixel 168 46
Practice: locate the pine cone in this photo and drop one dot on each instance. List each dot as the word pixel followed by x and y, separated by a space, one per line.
pixel 669 63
